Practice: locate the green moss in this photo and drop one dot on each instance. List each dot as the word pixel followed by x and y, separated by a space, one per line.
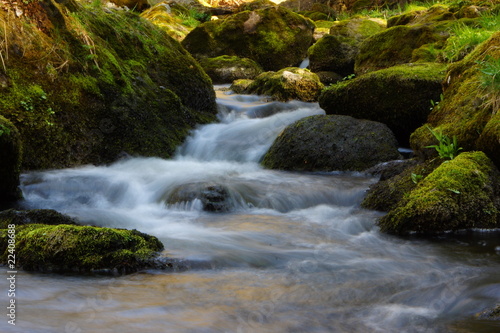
pixel 398 96
pixel 68 248
pixel 240 86
pixel 112 82
pixel 274 37
pixel 286 84
pixel 226 69
pixel 333 53
pixel 459 194
pixel 358 28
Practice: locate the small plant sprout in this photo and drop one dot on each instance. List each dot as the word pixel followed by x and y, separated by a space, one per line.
pixel 447 147
pixel 415 178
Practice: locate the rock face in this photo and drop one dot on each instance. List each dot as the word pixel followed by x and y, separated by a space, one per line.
pixel 459 194
pixel 398 97
pixel 113 83
pixel 470 106
pixel 274 37
pixel 213 197
pixel 10 160
pixel 287 84
pixel 47 241
pixel 326 143
pixel 226 69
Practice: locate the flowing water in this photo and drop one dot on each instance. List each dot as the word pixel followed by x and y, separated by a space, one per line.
pixel 294 253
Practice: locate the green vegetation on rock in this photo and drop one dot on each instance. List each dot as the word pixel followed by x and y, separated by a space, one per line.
pixel 459 194
pixel 226 69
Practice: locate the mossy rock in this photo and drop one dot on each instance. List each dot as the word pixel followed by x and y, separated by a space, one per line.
pixel 469 107
pixel 326 143
pixel 395 46
pixel 389 191
pixel 434 14
pixel 274 37
pixel 240 86
pixel 226 69
pixel 164 16
pixel 287 84
pixel 10 160
pixel 112 83
pixel 459 194
pixel 333 54
pixel 398 96
pixel 33 216
pixel 358 28
pixel 254 5
pixel 81 249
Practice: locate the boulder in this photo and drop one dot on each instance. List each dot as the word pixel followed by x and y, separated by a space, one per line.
pixel 226 69
pixel 112 83
pixel 326 143
pixel 462 193
pixel 395 46
pixel 274 37
pixel 213 197
pixel 287 84
pixel 436 13
pixel 10 161
pixel 48 241
pixel 469 109
pixel 166 17
pixel 398 96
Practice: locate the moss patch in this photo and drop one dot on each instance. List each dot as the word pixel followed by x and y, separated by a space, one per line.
pixel 459 194
pixel 226 69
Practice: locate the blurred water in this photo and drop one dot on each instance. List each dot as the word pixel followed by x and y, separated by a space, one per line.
pixel 295 252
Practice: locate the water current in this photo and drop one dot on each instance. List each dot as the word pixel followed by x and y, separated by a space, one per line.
pixel 293 253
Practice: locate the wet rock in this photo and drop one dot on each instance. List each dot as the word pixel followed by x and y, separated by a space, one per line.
pixel 274 37
pixel 287 84
pixel 398 97
pixel 326 143
pixel 226 69
pixel 213 197
pixel 490 314
pixel 33 216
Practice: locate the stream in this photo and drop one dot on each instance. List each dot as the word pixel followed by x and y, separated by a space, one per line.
pixel 293 253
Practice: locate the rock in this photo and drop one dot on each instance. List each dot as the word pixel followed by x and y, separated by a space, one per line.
pixel 33 216
pixel 240 86
pixel 326 143
pixel 273 37
pixel 10 161
pixel 81 249
pixel 387 170
pixel 113 83
pixel 213 197
pixel 226 69
pixel 287 84
pixel 165 16
pixel 459 194
pixel 139 5
pixel 436 13
pixel 395 46
pixel 328 78
pixel 398 97
pixel 490 314
pixel 469 109
pixel 337 51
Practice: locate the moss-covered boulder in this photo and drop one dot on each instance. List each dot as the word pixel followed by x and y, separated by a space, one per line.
pixel 164 16
pixel 326 143
pixel 469 109
pixel 10 160
pixel 83 85
pixel 436 13
pixel 287 84
pixel 226 69
pixel 395 46
pixel 460 194
pixel 398 96
pixel 33 216
pixel 81 249
pixel 337 51
pixel 274 37
pixel 240 86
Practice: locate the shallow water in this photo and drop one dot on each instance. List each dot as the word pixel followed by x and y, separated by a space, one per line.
pixel 295 253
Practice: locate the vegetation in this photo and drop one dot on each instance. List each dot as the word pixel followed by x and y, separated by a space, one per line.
pixel 446 148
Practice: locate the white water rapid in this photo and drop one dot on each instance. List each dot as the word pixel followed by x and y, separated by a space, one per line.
pixel 291 252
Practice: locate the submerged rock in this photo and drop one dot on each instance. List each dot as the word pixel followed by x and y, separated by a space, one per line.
pixel 459 194
pixel 213 197
pixel 226 69
pixel 47 241
pixel 326 143
pixel 287 84
pixel 10 160
pixel 399 97
pixel 274 37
